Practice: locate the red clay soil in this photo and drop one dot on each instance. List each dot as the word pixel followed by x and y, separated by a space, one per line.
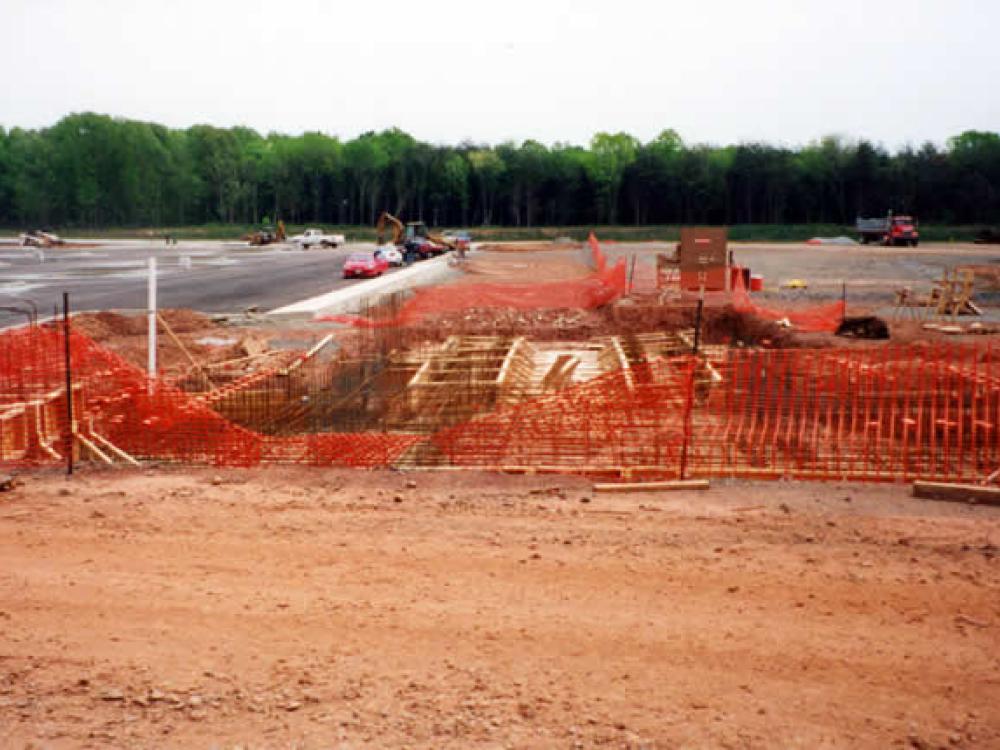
pixel 317 609
pixel 528 269
pixel 529 247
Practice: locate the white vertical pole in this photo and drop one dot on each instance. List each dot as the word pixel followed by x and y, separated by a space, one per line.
pixel 151 311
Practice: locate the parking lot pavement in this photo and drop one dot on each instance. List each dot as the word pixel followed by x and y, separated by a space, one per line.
pixel 205 276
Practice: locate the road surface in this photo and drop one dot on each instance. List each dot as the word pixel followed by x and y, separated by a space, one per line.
pixel 205 276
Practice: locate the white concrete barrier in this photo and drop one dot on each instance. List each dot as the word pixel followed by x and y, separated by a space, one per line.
pixel 348 299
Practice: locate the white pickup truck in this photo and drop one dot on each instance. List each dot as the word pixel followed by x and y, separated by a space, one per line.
pixel 314 237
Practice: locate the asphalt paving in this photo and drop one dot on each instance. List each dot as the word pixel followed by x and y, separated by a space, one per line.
pixel 204 276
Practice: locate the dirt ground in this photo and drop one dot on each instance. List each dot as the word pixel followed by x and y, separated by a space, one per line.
pixel 238 348
pixel 295 608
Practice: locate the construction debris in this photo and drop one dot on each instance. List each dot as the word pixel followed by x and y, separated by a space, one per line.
pixel 951 295
pixel 961 493
pixel 863 327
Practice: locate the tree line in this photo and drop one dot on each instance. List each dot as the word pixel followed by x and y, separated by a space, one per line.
pixel 92 170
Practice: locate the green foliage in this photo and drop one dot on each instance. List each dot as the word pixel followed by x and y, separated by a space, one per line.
pixel 91 170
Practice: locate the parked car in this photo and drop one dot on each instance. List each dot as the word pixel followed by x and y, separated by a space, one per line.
pixel 365 265
pixel 391 253
pixel 314 237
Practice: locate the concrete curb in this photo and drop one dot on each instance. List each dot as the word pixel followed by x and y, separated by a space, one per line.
pixel 349 299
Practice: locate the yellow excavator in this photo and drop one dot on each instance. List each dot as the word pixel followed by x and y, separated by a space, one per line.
pixel 413 234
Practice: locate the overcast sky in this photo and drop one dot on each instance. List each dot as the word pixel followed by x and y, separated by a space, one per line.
pixel 719 71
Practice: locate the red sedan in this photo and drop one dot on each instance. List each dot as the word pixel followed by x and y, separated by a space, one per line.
pixel 364 265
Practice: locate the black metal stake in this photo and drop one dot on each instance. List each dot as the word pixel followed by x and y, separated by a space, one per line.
pixel 843 300
pixel 69 389
pixel 688 409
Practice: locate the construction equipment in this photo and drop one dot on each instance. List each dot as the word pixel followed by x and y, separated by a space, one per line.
pixel 39 238
pixel 414 236
pixel 398 230
pixel 266 235
pixel 892 230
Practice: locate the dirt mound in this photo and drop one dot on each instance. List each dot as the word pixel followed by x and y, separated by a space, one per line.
pixel 568 324
pixel 107 326
pixel 207 342
pixel 720 325
pixel 186 321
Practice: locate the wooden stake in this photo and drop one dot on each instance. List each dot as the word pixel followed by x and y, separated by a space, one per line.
pixel 180 345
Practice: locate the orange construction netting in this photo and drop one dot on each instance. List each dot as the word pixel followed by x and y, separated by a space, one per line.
pixel 896 412
pixel 117 409
pixel 823 318
pixel 603 286
pixel 886 413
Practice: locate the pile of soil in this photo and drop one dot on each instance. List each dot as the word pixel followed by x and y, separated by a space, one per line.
pixel 543 325
pixel 720 325
pixel 126 335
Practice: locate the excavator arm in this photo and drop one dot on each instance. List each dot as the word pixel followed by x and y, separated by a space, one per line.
pixel 398 230
pixel 437 239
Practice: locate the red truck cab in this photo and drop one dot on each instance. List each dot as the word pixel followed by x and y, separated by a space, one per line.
pixel 903 231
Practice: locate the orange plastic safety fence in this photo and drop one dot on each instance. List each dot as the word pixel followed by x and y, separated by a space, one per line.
pixel 887 413
pixel 117 407
pixel 602 287
pixel 879 414
pixel 812 319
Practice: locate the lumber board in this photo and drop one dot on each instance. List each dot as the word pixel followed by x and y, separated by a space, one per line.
pixel 962 493
pixel 675 484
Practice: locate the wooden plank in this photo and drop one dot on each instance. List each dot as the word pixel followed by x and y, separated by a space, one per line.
pixel 676 484
pixel 961 493
pixel 113 448
pixel 180 345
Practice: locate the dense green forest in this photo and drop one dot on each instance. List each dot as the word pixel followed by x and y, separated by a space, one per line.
pixel 91 170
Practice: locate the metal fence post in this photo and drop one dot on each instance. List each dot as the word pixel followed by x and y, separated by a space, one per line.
pixel 688 408
pixel 69 387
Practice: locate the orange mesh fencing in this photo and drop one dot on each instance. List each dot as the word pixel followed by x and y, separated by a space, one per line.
pixel 116 407
pixel 880 414
pixel 893 412
pixel 603 286
pixel 821 318
pixel 813 319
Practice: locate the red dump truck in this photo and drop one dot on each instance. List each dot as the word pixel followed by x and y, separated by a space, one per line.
pixel 894 229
